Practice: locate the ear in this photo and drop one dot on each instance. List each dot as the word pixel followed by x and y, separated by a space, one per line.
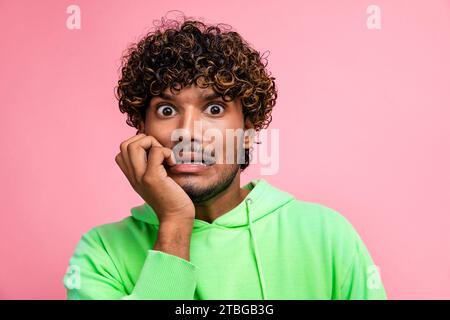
pixel 250 133
pixel 141 128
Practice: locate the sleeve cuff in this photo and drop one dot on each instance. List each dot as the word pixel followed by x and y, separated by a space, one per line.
pixel 165 277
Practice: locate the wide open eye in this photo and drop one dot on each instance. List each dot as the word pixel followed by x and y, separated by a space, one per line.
pixel 215 109
pixel 165 111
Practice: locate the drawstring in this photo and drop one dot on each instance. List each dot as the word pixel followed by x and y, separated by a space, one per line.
pixel 256 252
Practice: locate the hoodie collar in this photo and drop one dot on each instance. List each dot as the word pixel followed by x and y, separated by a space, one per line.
pixel 262 200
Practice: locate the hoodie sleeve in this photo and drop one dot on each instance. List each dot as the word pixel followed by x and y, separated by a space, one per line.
pixel 362 280
pixel 93 275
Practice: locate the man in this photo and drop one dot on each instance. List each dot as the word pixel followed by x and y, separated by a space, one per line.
pixel 199 235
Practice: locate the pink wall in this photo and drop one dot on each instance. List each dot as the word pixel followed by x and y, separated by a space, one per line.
pixel 363 116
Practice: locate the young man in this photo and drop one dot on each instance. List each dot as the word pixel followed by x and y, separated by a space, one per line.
pixel 199 235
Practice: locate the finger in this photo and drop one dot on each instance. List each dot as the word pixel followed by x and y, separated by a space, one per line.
pixel 137 154
pixel 124 150
pixel 156 158
pixel 169 157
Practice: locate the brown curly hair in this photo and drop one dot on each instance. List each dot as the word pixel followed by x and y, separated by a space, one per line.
pixel 181 53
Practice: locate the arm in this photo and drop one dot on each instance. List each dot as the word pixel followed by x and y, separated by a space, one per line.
pixel 362 280
pixel 165 275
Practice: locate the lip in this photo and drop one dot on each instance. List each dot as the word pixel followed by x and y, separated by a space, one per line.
pixel 188 168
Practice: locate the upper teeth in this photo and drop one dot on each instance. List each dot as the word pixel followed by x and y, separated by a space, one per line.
pixel 193 162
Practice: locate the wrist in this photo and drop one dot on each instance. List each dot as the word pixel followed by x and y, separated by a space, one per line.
pixel 177 223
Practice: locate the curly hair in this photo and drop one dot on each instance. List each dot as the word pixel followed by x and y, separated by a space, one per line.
pixel 181 53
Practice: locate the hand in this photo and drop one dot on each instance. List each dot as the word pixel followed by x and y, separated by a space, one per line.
pixel 148 177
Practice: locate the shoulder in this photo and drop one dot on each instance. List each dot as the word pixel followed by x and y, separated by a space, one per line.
pixel 113 235
pixel 318 215
pixel 322 226
pixel 122 227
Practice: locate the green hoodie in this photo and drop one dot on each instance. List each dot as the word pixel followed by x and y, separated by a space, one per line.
pixel 270 246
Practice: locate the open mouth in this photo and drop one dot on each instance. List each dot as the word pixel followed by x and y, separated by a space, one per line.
pixel 202 162
pixel 195 159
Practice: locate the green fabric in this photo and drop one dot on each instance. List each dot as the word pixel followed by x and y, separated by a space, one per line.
pixel 288 249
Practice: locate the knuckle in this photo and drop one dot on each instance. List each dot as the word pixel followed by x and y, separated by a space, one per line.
pixel 153 150
pixel 123 146
pixel 131 146
pixel 155 142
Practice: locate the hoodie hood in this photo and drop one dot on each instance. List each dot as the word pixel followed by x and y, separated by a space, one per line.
pixel 262 200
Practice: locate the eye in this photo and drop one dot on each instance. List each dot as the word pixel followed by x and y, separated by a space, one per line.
pixel 215 109
pixel 165 111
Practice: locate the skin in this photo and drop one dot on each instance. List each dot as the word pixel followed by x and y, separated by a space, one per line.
pixel 215 191
pixel 148 162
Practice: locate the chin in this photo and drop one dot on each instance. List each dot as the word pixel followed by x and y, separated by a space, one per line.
pixel 191 178
pixel 202 186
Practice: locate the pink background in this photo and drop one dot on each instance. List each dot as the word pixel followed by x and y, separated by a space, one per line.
pixel 363 118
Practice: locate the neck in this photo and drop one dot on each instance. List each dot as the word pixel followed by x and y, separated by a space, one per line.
pixel 222 202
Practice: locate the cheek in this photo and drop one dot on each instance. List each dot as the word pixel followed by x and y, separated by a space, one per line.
pixel 229 149
pixel 162 133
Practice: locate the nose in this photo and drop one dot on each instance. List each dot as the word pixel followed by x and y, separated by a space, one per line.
pixel 190 131
pixel 190 124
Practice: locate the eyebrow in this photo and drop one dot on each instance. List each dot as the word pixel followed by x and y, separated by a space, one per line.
pixel 207 97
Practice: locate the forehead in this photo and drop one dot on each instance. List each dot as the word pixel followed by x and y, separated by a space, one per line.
pixel 191 93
